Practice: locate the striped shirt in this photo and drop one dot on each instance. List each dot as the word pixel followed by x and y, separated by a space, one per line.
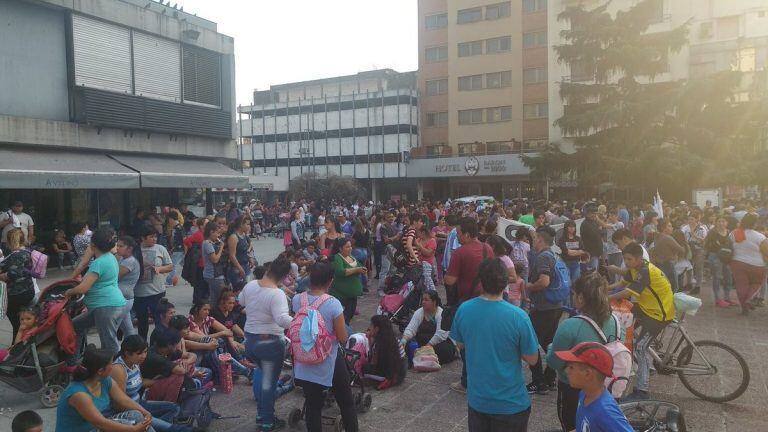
pixel 132 379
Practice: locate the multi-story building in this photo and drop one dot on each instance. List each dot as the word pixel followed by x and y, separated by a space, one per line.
pixel 483 96
pixel 362 125
pixel 112 105
pixel 724 35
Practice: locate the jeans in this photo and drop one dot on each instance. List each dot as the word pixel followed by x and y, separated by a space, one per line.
pixel 649 329
pixel 378 252
pixel 126 321
pixel 385 265
pixel 545 325
pixel 129 417
pixel 594 263
pixel 615 259
pixel 314 395
pixel 144 306
pixel 267 351
pixel 281 389
pixel 481 422
pixel 698 259
pixel 163 414
pixel 106 320
pixel 210 359
pixel 215 286
pixel 200 291
pixel 721 277
pixel 574 269
pixel 426 269
pixel 177 258
pixel 361 255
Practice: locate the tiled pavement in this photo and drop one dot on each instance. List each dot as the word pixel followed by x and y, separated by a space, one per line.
pixel 425 403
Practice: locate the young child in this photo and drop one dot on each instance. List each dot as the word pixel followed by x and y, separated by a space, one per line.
pixel 257 230
pixel 27 322
pixel 588 365
pixel 27 421
pixel 516 290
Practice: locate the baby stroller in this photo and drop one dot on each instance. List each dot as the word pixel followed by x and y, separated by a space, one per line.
pixel 654 416
pixel 363 400
pixel 35 364
pixel 400 306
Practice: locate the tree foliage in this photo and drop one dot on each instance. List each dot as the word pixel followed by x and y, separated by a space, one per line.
pixel 629 130
pixel 326 189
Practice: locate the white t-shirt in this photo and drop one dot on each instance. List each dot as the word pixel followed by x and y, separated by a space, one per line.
pixel 748 251
pixel 266 309
pixel 24 222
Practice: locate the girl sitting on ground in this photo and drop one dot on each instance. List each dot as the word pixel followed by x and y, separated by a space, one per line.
pixel 387 363
pixel 425 329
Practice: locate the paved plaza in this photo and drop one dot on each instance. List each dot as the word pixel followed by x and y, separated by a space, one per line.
pixel 425 403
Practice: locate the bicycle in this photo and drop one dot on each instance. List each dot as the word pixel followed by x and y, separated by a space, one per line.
pixel 654 416
pixel 704 366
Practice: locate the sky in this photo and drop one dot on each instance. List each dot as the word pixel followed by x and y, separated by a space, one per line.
pixel 282 41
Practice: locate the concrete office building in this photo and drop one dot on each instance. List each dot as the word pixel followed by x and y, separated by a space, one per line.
pixel 483 86
pixel 110 105
pixel 362 125
pixel 724 35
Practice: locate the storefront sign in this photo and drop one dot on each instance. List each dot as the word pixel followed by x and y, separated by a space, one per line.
pixel 480 166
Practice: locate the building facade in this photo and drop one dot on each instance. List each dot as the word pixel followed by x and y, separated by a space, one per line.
pixel 483 87
pixel 361 125
pixel 112 105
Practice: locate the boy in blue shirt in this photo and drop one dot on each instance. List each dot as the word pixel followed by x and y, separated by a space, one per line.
pixel 589 364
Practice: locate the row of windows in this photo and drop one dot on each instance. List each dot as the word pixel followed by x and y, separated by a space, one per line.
pixel 328 160
pixel 492 46
pixel 535 39
pixel 534 75
pixel 492 12
pixel 534 5
pixel 374 102
pixel 338 133
pixel 485 115
pixel 436 87
pixel 487 81
pixel 437 118
pixel 493 147
pixel 436 54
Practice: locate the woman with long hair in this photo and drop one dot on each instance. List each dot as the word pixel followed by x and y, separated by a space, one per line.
pixel 130 262
pixel 501 250
pixel 591 300
pixel 386 361
pixel 719 247
pixel 332 233
pixel 214 260
pixel 347 285
pixel 750 254
pixel 93 401
pixel 238 249
pixel 572 249
pixel 360 243
pixel 425 328
pixel 14 271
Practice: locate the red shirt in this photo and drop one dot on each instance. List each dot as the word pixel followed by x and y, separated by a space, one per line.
pixel 465 262
pixel 195 238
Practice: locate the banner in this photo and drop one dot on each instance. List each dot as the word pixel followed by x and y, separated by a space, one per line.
pixel 507 228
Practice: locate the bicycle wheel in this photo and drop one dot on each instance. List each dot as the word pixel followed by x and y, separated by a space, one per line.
pixel 724 380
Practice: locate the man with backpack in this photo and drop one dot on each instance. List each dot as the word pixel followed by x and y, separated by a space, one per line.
pixel 548 291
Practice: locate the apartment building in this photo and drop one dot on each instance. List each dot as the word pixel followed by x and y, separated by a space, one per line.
pixel 483 96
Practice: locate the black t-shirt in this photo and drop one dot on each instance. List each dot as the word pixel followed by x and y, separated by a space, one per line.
pixel 591 238
pixel 570 244
pixel 228 320
pixel 156 365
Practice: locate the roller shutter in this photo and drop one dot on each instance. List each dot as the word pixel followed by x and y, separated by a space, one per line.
pixel 157 67
pixel 102 54
pixel 202 76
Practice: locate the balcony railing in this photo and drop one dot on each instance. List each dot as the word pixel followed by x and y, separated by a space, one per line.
pixel 424 155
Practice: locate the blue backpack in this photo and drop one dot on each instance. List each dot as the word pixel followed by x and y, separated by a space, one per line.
pixel 559 289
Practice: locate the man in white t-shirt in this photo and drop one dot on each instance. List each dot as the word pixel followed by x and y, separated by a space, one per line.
pixel 16 218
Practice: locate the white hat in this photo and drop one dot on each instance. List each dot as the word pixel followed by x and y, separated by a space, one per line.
pixel 683 203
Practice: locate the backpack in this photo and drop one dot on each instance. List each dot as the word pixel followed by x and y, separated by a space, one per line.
pixel 319 348
pixel 195 403
pixel 192 257
pixel 39 264
pixel 559 289
pixel 622 358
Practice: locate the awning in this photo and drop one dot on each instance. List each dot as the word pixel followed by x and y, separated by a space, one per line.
pixel 165 172
pixel 56 169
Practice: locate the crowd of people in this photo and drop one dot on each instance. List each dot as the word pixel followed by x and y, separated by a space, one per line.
pixel 493 301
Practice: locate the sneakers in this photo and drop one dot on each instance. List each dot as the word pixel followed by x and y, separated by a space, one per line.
pixel 732 303
pixel 458 387
pixel 722 304
pixel 635 396
pixel 277 424
pixel 536 388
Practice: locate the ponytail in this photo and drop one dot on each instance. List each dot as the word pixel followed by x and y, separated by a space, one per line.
pixel 94 360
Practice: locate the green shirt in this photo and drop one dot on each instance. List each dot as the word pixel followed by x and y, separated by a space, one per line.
pixel 574 331
pixel 105 291
pixel 344 286
pixel 527 219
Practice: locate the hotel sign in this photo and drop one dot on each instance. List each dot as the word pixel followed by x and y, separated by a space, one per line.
pixel 468 166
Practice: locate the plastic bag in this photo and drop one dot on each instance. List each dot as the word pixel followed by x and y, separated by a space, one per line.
pixel 425 360
pixel 687 304
pixel 225 373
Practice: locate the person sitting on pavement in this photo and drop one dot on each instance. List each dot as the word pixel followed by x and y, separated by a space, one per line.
pixel 588 365
pixel 387 362
pixel 63 249
pixel 425 329
pixel 92 400
pixel 229 313
pixel 591 300
pixel 201 326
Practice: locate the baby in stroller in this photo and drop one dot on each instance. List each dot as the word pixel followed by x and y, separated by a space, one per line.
pixel 27 324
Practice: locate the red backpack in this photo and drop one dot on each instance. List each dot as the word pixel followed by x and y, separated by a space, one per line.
pixel 324 340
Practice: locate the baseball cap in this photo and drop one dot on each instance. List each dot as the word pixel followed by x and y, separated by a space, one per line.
pixel 591 354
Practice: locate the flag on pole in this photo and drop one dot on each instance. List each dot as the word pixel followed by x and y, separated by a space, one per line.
pixel 658 205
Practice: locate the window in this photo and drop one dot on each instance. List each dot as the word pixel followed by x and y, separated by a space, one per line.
pixel 439 118
pixel 534 5
pixel 436 87
pixel 534 111
pixel 497 45
pixel 534 75
pixel 498 79
pixel 436 149
pixel 202 75
pixel 473 116
pixel 467 49
pixel 436 54
pixel 535 144
pixel 535 39
pixel 498 114
pixel 466 16
pixel 728 27
pixel 473 82
pixel 497 11
pixel 496 147
pixel 436 21
pixel 469 149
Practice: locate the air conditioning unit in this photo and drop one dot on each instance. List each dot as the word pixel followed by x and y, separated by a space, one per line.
pixel 706 30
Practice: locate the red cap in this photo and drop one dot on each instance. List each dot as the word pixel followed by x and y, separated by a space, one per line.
pixel 591 354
